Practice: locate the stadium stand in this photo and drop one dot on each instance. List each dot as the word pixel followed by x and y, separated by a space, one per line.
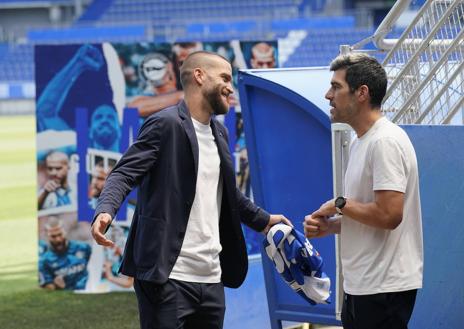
pixel 318 36
pixel 94 11
pixel 124 33
pixel 175 10
pixel 16 62
pixel 33 3
pixel 322 45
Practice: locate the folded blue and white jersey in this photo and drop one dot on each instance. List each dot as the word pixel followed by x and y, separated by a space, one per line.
pixel 299 264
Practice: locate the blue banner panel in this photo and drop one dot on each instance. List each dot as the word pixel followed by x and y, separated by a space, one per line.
pixel 440 156
pixel 289 145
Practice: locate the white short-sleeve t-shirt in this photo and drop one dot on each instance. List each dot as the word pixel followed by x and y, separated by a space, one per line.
pixel 378 260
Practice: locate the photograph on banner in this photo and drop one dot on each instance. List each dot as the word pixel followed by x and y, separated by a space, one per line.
pixel 56 179
pixel 111 279
pixel 91 101
pixel 64 252
pixel 79 113
pixel 260 55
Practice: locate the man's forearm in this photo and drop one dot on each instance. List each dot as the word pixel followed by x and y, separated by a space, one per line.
pixel 41 199
pixel 371 214
pixel 250 214
pixel 148 105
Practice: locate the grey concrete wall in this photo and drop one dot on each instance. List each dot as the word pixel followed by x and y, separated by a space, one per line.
pixel 17 107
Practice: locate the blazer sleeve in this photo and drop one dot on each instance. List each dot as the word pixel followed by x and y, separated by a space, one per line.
pixel 250 214
pixel 131 168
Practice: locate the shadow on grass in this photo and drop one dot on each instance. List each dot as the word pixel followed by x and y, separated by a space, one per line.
pixel 23 305
pixel 16 284
pixel 40 309
pixel 25 273
pixel 4 268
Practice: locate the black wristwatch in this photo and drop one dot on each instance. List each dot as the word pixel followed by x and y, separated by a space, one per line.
pixel 340 202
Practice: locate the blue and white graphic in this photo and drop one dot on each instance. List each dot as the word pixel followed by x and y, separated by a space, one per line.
pixel 51 100
pixel 105 133
pixel 299 264
pixel 68 266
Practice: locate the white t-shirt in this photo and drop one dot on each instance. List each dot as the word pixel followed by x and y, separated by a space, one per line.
pixel 378 260
pixel 198 260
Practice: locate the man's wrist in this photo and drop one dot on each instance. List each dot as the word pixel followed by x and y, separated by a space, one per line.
pixel 340 203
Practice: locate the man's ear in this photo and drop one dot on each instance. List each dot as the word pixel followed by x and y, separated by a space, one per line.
pixel 199 76
pixel 363 93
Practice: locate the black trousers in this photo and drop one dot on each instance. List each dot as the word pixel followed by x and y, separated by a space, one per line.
pixel 180 305
pixel 379 311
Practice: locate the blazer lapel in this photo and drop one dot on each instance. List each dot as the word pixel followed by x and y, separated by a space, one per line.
pixel 190 131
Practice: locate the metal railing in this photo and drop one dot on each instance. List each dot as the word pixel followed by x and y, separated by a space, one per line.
pixel 425 66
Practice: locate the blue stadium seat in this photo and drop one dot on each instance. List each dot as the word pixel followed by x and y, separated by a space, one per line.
pixel 35 2
pixel 321 45
pixel 74 34
pixel 16 63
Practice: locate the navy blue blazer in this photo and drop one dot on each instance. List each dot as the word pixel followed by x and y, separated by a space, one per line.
pixel 163 163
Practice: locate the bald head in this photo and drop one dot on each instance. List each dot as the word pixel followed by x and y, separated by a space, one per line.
pixel 56 234
pixel 262 56
pixel 200 59
pixel 57 156
pixel 57 166
pixel 53 222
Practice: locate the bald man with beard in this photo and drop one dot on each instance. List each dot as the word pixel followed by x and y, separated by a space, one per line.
pixel 64 264
pixel 185 242
pixel 105 133
pixel 262 56
pixel 56 191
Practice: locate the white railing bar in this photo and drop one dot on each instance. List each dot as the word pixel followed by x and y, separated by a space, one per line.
pixel 444 88
pixel 394 44
pixel 428 77
pixel 454 110
pixel 389 21
pixel 420 49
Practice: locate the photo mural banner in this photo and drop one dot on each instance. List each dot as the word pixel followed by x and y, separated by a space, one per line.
pixel 91 101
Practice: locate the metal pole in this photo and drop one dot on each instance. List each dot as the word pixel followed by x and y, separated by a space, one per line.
pixel 341 136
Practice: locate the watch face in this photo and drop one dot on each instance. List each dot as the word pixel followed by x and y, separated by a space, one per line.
pixel 340 202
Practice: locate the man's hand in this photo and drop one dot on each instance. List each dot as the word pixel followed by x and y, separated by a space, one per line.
pixel 51 186
pixel 89 57
pixel 99 227
pixel 107 270
pixel 326 210
pixel 315 227
pixel 59 282
pixel 276 219
pixel 318 224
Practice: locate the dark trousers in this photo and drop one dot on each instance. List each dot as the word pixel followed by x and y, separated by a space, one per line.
pixel 180 305
pixel 379 311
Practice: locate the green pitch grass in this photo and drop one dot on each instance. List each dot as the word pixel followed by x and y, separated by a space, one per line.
pixel 17 167
pixel 22 304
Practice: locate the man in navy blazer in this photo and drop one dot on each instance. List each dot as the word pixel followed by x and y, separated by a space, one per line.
pixel 185 243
